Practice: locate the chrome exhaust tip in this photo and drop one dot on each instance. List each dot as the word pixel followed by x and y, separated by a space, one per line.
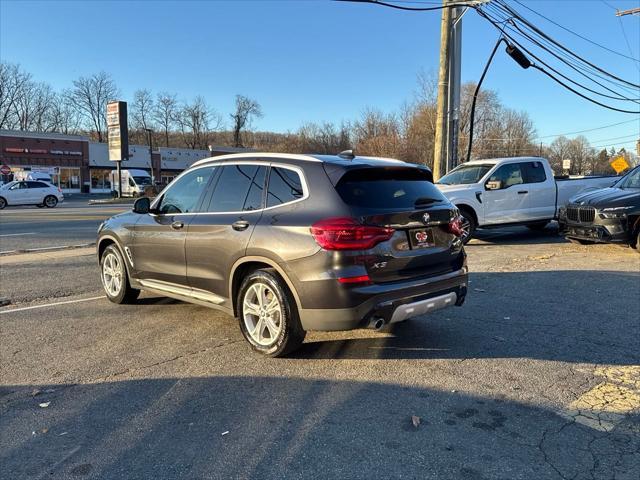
pixel 376 323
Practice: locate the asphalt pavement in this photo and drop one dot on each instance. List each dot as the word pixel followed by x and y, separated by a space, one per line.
pixel 73 222
pixel 537 376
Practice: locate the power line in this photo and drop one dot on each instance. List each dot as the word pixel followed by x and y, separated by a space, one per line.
pixel 591 129
pixel 560 82
pixel 575 33
pixel 557 50
pixel 562 57
pixel 411 9
pixel 515 14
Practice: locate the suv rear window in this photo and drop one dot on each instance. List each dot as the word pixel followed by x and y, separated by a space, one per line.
pixel 388 188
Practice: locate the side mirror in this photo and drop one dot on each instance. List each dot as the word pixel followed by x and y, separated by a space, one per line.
pixel 493 185
pixel 142 205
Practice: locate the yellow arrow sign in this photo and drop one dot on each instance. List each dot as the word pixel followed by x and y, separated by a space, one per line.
pixel 619 164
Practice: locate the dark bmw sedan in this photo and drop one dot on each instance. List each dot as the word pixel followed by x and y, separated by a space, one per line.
pixel 609 215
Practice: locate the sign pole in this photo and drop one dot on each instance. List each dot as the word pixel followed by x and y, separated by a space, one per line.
pixel 118 135
pixel 119 178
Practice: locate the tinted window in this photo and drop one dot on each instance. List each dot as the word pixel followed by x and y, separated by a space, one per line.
pixel 508 175
pixel 533 172
pixel 185 192
pixel 388 188
pixel 37 185
pixel 238 188
pixel 254 197
pixel 284 186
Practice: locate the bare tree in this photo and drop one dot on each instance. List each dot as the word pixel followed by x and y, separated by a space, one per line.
pixel 34 106
pixel 142 109
pixel 246 110
pixel 89 96
pixel 165 112
pixel 196 121
pixel 63 117
pixel 12 89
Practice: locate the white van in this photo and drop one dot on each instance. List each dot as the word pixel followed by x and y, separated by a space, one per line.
pixel 35 176
pixel 133 182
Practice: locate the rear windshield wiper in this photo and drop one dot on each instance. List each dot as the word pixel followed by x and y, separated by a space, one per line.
pixel 426 201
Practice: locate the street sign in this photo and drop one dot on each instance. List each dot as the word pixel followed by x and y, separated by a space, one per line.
pixel 619 164
pixel 117 131
pixel 5 170
pixel 566 164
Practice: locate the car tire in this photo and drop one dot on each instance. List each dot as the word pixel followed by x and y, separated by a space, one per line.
pixel 267 314
pixel 3 203
pixel 537 227
pixel 50 201
pixel 116 284
pixel 468 225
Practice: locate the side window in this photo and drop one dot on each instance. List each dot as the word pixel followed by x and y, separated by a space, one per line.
pixel 184 194
pixel 19 186
pixel 534 172
pixel 239 188
pixel 131 182
pixel 508 175
pixel 284 186
pixel 34 185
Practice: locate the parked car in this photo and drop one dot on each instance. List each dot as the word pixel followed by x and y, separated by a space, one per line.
pixel 512 191
pixel 608 215
pixel 41 194
pixel 290 243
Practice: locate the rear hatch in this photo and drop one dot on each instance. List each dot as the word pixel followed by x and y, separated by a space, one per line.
pixel 405 199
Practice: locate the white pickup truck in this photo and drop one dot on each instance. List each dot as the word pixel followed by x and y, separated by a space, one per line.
pixel 512 191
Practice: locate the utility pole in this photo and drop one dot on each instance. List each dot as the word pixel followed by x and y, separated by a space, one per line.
pixel 453 98
pixel 441 144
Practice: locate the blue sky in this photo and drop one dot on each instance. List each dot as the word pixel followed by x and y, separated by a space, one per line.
pixel 312 60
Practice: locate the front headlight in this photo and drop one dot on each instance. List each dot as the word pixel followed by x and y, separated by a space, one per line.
pixel 615 212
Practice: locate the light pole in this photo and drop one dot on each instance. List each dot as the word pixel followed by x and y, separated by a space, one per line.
pixel 150 139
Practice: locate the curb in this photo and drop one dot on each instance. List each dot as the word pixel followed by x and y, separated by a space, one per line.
pixel 46 249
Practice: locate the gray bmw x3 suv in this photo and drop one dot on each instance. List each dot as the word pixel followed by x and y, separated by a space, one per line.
pixel 290 243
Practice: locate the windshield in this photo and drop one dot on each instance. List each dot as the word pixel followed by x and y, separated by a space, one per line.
pixel 630 180
pixel 142 180
pixel 465 174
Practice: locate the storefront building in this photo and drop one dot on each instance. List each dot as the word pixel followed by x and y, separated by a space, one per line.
pixel 77 165
pixel 64 158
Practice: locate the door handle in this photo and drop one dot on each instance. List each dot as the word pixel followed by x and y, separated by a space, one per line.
pixel 240 225
pixel 523 192
pixel 177 225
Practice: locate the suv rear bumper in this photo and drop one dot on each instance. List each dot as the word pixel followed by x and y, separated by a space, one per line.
pixel 393 302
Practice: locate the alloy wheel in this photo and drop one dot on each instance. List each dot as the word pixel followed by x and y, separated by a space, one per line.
pixel 262 314
pixel 112 274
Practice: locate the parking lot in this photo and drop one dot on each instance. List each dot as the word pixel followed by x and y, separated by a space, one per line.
pixel 537 376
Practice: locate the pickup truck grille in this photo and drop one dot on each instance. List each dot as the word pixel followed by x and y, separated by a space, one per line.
pixel 577 214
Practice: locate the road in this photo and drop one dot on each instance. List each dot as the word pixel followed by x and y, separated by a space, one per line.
pixel 537 376
pixel 73 222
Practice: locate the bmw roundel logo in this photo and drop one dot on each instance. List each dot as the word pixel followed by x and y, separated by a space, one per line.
pixel 426 217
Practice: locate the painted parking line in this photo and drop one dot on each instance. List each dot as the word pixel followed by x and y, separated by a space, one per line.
pixel 54 304
pixel 610 402
pixel 17 234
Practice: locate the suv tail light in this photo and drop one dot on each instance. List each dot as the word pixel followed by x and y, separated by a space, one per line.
pixel 455 226
pixel 347 234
